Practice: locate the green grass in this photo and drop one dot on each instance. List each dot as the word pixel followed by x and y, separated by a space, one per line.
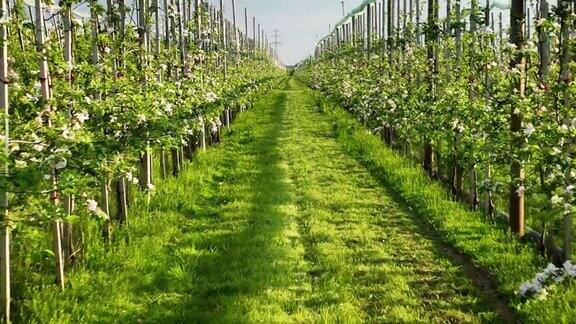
pixel 278 223
pixel 509 262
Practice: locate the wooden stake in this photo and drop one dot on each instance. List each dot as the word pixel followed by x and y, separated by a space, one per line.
pixel 236 34
pixel 246 33
pixel 197 18
pixel 223 44
pixel 458 32
pixel 107 230
pixel 565 78
pixel 5 292
pixel 57 241
pixel 369 28
pixel 163 171
pixel 122 201
pixel 390 31
pixel 175 162
pixel 516 195
pixel 203 136
pixel 46 94
pixel 431 43
pixel 418 32
pixel 181 44
pixel 44 78
pixel 254 34
pixel 5 268
pixel 383 26
pixel 543 45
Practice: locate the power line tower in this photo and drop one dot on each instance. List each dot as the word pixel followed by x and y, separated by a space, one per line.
pixel 275 43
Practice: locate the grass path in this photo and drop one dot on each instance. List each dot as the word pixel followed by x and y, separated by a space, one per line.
pixel 275 224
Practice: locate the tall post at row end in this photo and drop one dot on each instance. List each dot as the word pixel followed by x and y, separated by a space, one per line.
pixel 518 61
pixel 5 293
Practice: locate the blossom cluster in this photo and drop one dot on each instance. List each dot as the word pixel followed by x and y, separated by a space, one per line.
pixel 540 284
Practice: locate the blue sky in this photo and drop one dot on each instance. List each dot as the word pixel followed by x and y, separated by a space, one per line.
pixel 299 21
pixel 302 22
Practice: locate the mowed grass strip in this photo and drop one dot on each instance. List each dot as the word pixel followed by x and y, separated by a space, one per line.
pixel 217 244
pixel 275 224
pixel 368 257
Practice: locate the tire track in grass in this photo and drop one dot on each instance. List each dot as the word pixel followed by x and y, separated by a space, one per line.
pixel 368 260
pixel 276 224
pixel 219 243
pixel 249 267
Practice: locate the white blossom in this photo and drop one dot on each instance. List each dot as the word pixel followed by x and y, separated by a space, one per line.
pixel 60 165
pixel 550 275
pixel 31 97
pixel 511 46
pixel 67 134
pixel 14 147
pixel 570 269
pixel 131 178
pixel 347 90
pixel 556 200
pixel 543 109
pixel 82 117
pixel 567 209
pixel 520 191
pixel 211 97
pixel 551 269
pixel 77 22
pixel 169 108
pixel 485 30
pixel 38 147
pixel 529 129
pixel 92 205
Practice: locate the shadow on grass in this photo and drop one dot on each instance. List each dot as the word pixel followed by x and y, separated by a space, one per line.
pixel 234 232
pixel 482 280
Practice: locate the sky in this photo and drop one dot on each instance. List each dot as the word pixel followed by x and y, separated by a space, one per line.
pixel 300 22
